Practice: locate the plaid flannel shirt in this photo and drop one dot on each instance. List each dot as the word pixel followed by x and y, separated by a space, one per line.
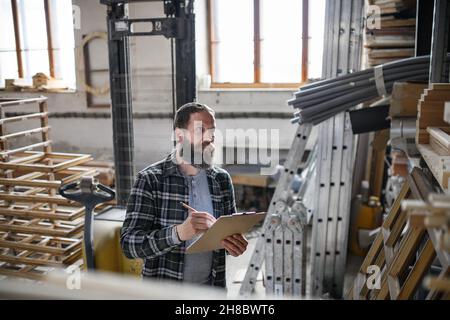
pixel 154 209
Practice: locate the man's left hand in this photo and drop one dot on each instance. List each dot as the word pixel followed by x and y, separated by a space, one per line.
pixel 235 244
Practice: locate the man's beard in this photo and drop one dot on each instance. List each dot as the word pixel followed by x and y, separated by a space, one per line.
pixel 199 157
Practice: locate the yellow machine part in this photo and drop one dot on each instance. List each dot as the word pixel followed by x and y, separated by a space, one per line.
pixel 368 217
pixel 108 253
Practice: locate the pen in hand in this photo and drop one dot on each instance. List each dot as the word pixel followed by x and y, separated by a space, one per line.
pixel 188 207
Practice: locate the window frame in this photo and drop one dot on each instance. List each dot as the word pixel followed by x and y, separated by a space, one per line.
pixel 15 14
pixel 257 51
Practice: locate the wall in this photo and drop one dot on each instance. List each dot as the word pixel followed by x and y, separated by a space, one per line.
pixel 77 128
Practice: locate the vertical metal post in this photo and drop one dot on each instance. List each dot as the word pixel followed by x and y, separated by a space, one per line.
pixel 439 40
pixel 185 57
pixel 424 25
pixel 121 105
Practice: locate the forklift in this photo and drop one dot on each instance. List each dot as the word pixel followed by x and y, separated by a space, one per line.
pixel 101 248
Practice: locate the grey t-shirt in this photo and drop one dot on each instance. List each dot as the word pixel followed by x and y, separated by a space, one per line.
pixel 197 266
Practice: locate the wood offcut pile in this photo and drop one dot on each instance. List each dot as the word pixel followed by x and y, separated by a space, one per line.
pixel 396 36
pixel 432 131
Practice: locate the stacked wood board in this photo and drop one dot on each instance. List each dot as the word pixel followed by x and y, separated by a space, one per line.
pixel 432 131
pixel 39 229
pixel 404 97
pixel 395 38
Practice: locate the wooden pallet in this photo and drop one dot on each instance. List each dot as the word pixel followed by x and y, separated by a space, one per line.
pixel 433 216
pixel 32 256
pixel 61 213
pixel 42 162
pixel 45 180
pixel 24 271
pixel 43 244
pixel 403 250
pixel 40 227
pixel 43 130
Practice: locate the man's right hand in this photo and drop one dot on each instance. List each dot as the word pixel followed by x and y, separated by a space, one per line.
pixel 195 223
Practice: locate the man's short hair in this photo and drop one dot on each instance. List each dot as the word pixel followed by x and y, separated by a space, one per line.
pixel 183 114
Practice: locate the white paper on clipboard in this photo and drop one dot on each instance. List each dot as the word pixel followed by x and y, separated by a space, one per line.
pixel 224 227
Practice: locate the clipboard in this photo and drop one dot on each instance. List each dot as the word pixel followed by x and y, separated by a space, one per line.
pixel 224 227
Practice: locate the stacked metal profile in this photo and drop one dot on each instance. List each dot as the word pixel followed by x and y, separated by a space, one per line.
pixel 321 100
pixel 342 54
pixel 282 242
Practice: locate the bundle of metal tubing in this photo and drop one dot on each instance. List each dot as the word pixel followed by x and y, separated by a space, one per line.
pixel 323 99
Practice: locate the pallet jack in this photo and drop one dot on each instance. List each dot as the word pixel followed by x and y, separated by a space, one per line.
pixel 101 242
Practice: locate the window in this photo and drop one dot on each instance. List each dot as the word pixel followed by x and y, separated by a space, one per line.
pixel 265 43
pixel 37 36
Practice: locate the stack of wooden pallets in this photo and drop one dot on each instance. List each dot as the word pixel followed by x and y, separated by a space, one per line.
pixel 432 132
pixel 39 229
pixel 395 37
pixel 399 264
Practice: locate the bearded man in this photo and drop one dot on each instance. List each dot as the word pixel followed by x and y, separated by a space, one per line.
pixel 158 228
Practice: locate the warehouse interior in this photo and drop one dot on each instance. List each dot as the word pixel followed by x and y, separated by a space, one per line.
pixel 332 117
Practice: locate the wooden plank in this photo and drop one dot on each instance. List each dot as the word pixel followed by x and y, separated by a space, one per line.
pixel 250 180
pixel 5 154
pixel 418 271
pixel 422 136
pixel 70 245
pixel 24 117
pixel 397 23
pixel 377 252
pixel 32 274
pixel 405 253
pixel 431 120
pixel 27 158
pixel 394 224
pixel 440 135
pixel 72 161
pixel 30 183
pixel 438 147
pixel 37 198
pixel 59 214
pixel 383 293
pixel 392 236
pixel 44 123
pixel 437 164
pixel 30 261
pixel 439 86
pixel 24 133
pixel 395 209
pixel 439 284
pixel 17 102
pixel 46 183
pixel 390 53
pixel 433 106
pixel 436 95
pixel 42 228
